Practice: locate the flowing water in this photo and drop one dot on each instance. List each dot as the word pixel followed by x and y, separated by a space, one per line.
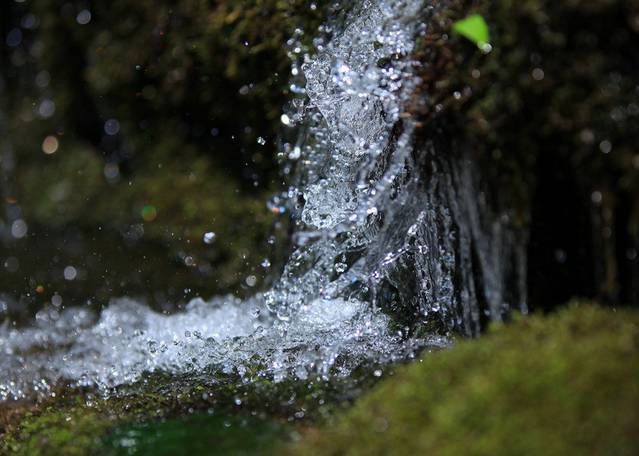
pixel 394 244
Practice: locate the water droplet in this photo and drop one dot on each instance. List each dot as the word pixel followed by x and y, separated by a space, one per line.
pixel 50 145
pixel 605 146
pixel 83 17
pixel 19 229
pixel 70 273
pixel 112 127
pixel 56 300
pixel 14 38
pixel 149 213
pixel 538 74
pixel 340 267
pixel 46 108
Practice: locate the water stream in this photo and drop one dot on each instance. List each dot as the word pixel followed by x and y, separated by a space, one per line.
pixel 395 246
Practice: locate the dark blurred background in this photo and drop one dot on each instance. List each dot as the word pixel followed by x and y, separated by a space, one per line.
pixel 130 130
pixel 138 144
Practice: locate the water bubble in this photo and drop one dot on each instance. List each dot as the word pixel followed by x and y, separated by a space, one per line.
pixel 29 21
pixel 111 171
pixel 596 197
pixel 538 74
pixel 261 141
pixel 209 237
pixel 282 316
pixel 295 153
pixel 301 372
pixel 70 273
pixel 112 127
pixel 149 213
pixel 605 146
pixel 251 280
pixel 50 145
pixel 83 17
pixel 19 229
pixel 56 300
pixel 560 256
pixel 12 264
pixel 486 48
pixel 14 38
pixel 46 108
pixel 42 79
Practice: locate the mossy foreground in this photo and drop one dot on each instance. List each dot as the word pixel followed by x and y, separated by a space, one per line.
pixel 564 384
pixel 567 384
pixel 197 413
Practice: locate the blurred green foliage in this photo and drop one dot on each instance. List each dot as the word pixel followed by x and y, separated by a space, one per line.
pixel 157 104
pixel 565 384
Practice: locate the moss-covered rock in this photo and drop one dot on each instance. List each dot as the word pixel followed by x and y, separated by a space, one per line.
pixel 565 384
pixel 73 432
pixel 80 422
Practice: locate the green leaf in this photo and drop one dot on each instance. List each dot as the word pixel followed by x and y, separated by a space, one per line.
pixel 474 28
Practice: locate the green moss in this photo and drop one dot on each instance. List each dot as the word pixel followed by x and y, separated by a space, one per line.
pixel 565 384
pixel 78 422
pixel 73 431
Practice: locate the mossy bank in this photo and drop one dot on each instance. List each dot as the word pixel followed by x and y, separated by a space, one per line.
pixel 565 384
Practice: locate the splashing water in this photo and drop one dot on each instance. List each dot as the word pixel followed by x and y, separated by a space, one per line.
pixel 386 232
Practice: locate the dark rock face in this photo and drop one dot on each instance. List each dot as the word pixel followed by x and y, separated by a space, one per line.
pixel 457 262
pixel 551 116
